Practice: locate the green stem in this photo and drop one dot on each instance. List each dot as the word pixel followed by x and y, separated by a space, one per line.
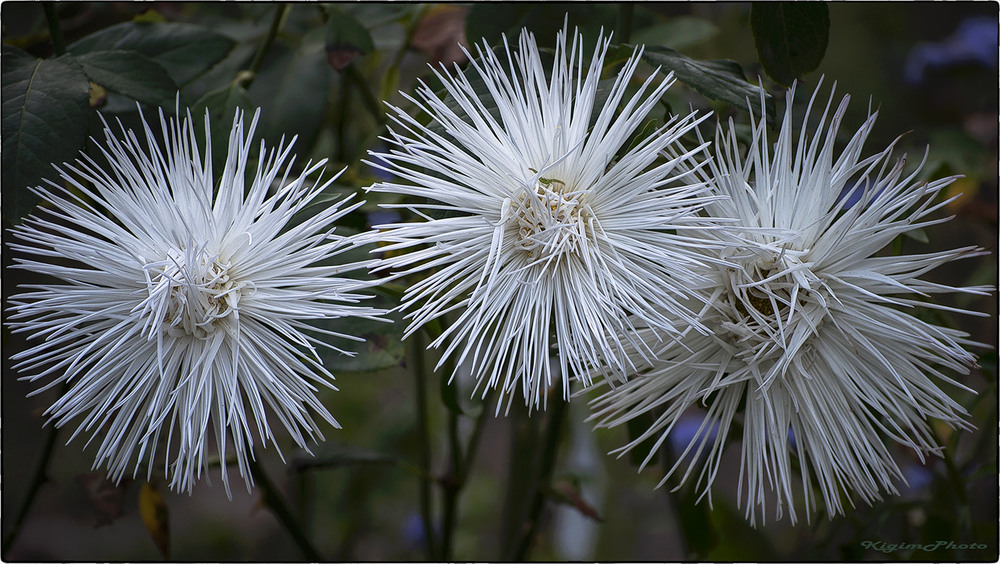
pixel 258 59
pixel 698 534
pixel 522 443
pixel 450 488
pixel 424 441
pixel 624 28
pixel 961 495
pixel 477 433
pixel 956 478
pixel 543 481
pixel 897 245
pixel 40 478
pixel 341 120
pixel 302 499
pixel 454 481
pixel 352 77
pixel 391 77
pixel 57 39
pixel 367 96
pixel 277 505
pixel 309 465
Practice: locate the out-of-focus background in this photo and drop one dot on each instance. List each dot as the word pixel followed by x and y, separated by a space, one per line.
pixel 929 68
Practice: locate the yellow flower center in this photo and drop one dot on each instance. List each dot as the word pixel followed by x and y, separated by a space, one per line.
pixel 762 293
pixel 192 293
pixel 551 219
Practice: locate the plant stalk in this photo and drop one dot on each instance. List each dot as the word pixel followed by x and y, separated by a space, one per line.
pixel 41 470
pixel 450 488
pixel 698 533
pixel 961 495
pixel 277 505
pixel 424 443
pixel 543 480
pixel 454 481
pixel 367 96
pixel 280 12
pixel 624 28
pixel 58 45
pixel 391 77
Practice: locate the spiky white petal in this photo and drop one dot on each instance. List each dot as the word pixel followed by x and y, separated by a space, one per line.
pixel 814 332
pixel 179 304
pixel 531 228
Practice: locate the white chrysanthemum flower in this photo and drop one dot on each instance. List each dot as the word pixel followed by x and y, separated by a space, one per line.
pixel 815 338
pixel 532 227
pixel 180 304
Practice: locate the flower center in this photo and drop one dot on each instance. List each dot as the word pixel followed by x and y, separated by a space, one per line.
pixel 190 293
pixel 761 303
pixel 760 297
pixel 551 219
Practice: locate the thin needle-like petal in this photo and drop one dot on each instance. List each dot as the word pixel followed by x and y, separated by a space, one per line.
pixel 534 234
pixel 813 334
pixel 181 300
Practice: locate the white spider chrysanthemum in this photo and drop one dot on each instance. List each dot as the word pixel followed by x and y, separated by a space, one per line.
pixel 179 303
pixel 533 227
pixel 815 340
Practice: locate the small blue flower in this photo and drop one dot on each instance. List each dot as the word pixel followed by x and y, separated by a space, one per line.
pixel 974 42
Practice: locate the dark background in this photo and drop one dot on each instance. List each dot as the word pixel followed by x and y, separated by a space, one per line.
pixel 369 512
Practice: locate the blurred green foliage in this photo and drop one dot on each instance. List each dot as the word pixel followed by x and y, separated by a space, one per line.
pixel 320 72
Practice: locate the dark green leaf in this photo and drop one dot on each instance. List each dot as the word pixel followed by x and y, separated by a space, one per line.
pixel 45 110
pixel 478 85
pixel 183 50
pixel 346 38
pixel 721 80
pixel 383 346
pixel 790 37
pixel 335 195
pixel 488 20
pixel 131 74
pixel 694 518
pixel 742 542
pixel 489 103
pixel 291 90
pixel 676 33
pixel 604 88
pixel 639 136
pixel 988 361
pixel 918 235
pixel 954 151
pixel 222 105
